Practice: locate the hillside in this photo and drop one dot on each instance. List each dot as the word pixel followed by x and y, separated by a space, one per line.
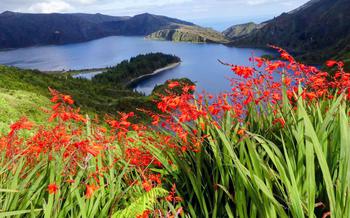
pixel 143 24
pixel 91 97
pixel 103 95
pixel 185 33
pixel 314 32
pixel 24 29
pixel 241 30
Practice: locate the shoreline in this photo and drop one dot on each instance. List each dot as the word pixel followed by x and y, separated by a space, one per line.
pixel 74 72
pixel 94 70
pixel 130 83
pixel 156 72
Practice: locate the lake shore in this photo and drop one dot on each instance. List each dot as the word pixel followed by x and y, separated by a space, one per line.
pixel 158 71
pixel 74 72
pixel 95 71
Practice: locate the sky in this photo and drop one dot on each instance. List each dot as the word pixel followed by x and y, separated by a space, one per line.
pixel 211 13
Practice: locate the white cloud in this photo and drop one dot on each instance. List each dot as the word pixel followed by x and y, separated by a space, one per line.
pixel 50 7
pixel 256 2
pixel 84 1
pixel 263 2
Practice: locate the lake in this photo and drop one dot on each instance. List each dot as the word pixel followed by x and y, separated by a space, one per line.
pixel 199 61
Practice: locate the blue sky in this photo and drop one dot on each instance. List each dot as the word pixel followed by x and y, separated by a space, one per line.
pixel 213 13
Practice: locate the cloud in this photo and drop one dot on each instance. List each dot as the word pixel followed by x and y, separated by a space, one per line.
pixel 265 2
pixel 257 2
pixel 50 7
pixel 86 1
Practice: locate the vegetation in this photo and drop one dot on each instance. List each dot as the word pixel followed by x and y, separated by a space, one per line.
pixel 276 146
pixel 138 66
pixel 16 103
pixel 163 90
pixel 241 30
pixel 184 33
pixel 93 97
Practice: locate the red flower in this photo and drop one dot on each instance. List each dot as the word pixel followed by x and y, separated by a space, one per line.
pixel 287 57
pixel 23 123
pixel 331 63
pixel 52 188
pixel 287 81
pixel 147 186
pixel 68 99
pixel 173 84
pixel 245 72
pixel 280 121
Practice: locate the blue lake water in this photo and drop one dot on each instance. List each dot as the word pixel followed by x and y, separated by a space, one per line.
pixel 199 61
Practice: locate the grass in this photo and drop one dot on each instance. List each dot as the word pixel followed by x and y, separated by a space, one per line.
pixel 91 97
pixel 298 171
pixel 15 103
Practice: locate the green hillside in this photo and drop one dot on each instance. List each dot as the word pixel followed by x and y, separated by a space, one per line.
pixel 88 95
pixel 184 33
pixel 104 95
pixel 14 104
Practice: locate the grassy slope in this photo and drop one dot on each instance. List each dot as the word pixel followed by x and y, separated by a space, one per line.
pixel 91 97
pixel 189 34
pixel 16 103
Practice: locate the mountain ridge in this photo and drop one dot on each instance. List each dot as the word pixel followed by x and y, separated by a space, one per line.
pixel 26 29
pixel 314 32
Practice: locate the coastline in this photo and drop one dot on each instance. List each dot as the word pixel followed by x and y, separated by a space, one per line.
pixel 158 71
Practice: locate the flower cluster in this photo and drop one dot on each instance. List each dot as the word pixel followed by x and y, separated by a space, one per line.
pixel 180 124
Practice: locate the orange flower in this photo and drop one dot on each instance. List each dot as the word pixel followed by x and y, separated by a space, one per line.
pixel 245 72
pixel 90 189
pixel 202 125
pixel 52 188
pixel 241 132
pixel 280 121
pixel 145 214
pixel 68 99
pixel 23 123
pixel 95 149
